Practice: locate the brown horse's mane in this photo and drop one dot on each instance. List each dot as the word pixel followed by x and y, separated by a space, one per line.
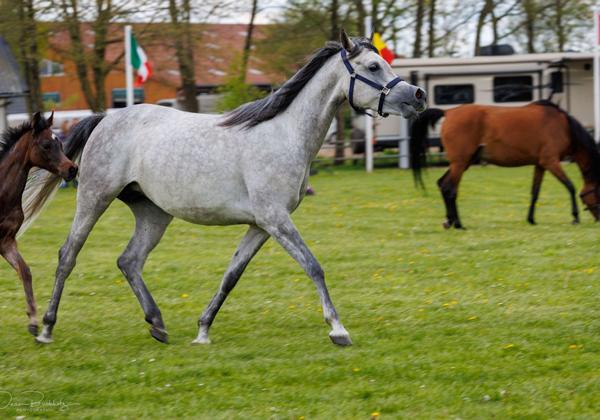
pixel 12 135
pixel 580 138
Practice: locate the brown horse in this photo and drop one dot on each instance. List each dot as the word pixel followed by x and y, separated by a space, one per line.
pixel 539 134
pixel 30 145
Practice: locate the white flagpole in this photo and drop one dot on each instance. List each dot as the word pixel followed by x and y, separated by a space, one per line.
pixel 596 10
pixel 368 120
pixel 128 67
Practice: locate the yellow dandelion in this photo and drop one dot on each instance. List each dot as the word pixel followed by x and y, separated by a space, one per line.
pixel 355 369
pixel 508 346
pixel 573 346
pixel 292 307
pixel 185 296
pixel 375 414
pixel 472 318
pixel 301 418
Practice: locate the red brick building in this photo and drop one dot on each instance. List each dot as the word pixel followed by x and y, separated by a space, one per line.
pixel 217 49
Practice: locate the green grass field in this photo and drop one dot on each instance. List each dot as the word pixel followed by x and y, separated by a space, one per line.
pixel 501 320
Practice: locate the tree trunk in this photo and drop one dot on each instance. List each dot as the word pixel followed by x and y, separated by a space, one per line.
pixel 184 50
pixel 248 43
pixel 77 51
pixel 30 56
pixel 529 7
pixel 360 11
pixel 431 29
pixel 418 28
pixel 339 116
pixel 487 8
pixel 559 25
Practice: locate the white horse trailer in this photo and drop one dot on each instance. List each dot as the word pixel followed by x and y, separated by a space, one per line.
pixel 509 80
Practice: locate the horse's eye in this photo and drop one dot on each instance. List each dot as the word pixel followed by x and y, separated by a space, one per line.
pixel 46 145
pixel 374 67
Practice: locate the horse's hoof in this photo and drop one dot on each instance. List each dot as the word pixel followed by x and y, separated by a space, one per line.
pixel 159 334
pixel 33 329
pixel 43 339
pixel 531 222
pixel 459 227
pixel 447 225
pixel 575 222
pixel 201 340
pixel 341 339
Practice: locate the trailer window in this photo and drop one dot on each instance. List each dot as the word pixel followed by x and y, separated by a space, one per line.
pixel 513 89
pixel 454 94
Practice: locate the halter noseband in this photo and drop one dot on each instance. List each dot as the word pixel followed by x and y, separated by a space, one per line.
pixel 589 208
pixel 385 90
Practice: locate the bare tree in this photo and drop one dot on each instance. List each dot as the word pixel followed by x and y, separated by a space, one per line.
pixel 248 42
pixel 419 28
pixel 486 10
pixel 91 64
pixel 20 27
pixel 431 29
pixel 181 22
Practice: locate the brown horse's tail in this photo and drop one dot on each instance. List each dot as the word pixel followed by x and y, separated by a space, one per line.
pixel 418 141
pixel 41 184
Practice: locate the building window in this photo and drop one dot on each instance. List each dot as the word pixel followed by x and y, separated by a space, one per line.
pixel 454 94
pixel 119 97
pixel 51 68
pixel 53 97
pixel 513 89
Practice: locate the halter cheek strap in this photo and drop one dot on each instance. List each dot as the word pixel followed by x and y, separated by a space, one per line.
pixel 384 90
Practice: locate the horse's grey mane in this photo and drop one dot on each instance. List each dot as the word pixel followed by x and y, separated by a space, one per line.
pixel 253 113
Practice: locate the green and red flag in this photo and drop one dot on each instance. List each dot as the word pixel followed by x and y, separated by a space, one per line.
pixel 384 51
pixel 139 61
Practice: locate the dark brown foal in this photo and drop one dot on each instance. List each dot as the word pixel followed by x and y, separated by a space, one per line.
pixel 539 134
pixel 30 145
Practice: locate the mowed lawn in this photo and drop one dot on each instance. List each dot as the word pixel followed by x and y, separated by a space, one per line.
pixel 501 320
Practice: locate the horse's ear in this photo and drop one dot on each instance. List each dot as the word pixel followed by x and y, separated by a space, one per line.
pixel 51 119
pixel 36 121
pixel 346 41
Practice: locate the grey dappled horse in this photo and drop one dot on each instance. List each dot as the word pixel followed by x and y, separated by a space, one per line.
pixel 249 166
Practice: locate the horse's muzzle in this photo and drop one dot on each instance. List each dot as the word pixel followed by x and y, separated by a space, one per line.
pixel 70 173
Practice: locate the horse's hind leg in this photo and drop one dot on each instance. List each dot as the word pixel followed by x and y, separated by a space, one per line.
pixel 150 225
pixel 538 176
pixel 449 188
pixel 447 224
pixel 285 233
pixel 251 243
pixel 558 172
pixel 8 249
pixel 90 206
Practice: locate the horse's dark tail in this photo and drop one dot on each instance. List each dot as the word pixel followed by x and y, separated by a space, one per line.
pixel 41 184
pixel 418 141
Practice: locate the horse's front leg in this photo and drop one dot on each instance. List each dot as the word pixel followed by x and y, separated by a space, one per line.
pixel 8 249
pixel 251 243
pixel 284 232
pixel 538 176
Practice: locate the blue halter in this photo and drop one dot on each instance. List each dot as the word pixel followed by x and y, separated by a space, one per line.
pixel 385 90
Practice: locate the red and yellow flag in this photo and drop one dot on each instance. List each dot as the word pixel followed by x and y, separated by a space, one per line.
pixel 384 51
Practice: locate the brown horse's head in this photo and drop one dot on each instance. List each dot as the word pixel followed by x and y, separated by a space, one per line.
pixel 590 196
pixel 45 149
